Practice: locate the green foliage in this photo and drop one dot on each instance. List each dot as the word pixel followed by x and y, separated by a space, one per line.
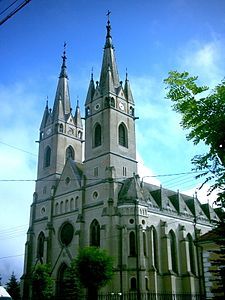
pixel 13 287
pixel 42 283
pixel 204 116
pixel 94 268
pixel 71 283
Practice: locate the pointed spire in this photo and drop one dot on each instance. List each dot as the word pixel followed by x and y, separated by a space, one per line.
pixel 45 116
pixel 91 90
pixel 108 60
pixel 77 116
pixel 62 92
pixel 127 90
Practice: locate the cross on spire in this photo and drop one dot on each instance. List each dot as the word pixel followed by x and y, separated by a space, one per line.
pixel 108 24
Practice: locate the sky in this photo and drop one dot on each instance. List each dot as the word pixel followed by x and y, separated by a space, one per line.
pixel 150 38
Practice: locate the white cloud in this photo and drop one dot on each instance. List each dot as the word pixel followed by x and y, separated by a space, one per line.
pixel 145 173
pixel 204 59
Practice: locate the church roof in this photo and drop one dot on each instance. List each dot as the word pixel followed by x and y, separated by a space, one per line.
pixel 167 201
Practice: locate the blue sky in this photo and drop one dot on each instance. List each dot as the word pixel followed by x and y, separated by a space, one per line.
pixel 150 38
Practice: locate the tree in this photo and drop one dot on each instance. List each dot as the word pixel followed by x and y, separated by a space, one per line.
pixel 94 268
pixel 204 117
pixel 42 283
pixel 13 287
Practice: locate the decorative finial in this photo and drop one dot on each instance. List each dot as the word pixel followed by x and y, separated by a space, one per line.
pixel 126 74
pixel 92 69
pixel 47 102
pixel 108 27
pixel 77 101
pixel 64 54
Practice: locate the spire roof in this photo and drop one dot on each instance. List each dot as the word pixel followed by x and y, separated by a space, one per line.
pixel 62 92
pixel 45 116
pixel 127 90
pixel 109 61
pixel 91 90
pixel 77 116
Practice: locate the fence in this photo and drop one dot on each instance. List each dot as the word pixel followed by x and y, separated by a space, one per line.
pixel 140 296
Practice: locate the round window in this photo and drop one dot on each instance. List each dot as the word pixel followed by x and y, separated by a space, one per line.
pixel 66 234
pixel 95 195
pixel 131 221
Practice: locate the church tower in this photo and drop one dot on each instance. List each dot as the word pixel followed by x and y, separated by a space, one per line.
pixel 110 122
pixel 61 135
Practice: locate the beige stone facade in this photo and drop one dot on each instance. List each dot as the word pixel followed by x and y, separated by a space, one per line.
pixel 150 231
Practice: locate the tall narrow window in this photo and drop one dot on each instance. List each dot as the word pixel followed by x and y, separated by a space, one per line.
pixel 70 153
pixel 40 246
pixel 173 250
pixel 132 244
pixel 47 157
pixel 62 292
pixel 191 253
pixel 154 248
pixel 97 135
pixel 133 284
pixel 123 140
pixel 60 127
pixel 95 234
pixel 144 244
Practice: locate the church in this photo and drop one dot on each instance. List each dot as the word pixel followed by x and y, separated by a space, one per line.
pixel 88 193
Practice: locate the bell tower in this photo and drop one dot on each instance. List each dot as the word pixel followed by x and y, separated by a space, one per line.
pixel 110 121
pixel 61 137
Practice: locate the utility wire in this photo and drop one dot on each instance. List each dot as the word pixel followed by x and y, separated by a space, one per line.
pixel 3 143
pixel 8 7
pixel 18 8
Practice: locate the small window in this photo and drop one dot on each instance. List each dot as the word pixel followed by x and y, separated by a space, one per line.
pixel 40 246
pixel 61 127
pixel 173 250
pixel 95 234
pixel 88 111
pixel 144 244
pixel 47 157
pixel 124 171
pixel 133 284
pixel 80 134
pixel 97 135
pixel 70 152
pixel 132 244
pixel 123 135
pixel 96 172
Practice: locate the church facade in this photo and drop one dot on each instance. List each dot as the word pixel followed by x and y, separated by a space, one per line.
pixel 101 201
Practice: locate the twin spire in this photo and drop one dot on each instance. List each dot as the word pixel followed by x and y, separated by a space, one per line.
pixel 109 82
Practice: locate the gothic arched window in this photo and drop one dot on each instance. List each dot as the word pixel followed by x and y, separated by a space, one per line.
pixel 47 157
pixel 123 139
pixel 132 243
pixel 97 135
pixel 61 278
pixel 70 153
pixel 133 284
pixel 60 127
pixel 40 246
pixel 95 234
pixel 173 250
pixel 191 253
pixel 154 248
pixel 144 244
